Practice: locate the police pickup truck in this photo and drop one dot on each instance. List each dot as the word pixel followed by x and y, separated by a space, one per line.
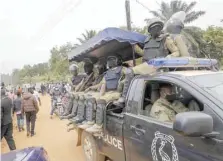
pixel 131 134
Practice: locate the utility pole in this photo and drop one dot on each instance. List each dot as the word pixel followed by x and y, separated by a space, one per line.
pixel 128 14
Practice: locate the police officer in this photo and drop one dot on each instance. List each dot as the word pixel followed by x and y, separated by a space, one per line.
pixel 90 101
pixel 111 88
pixel 75 81
pixel 174 27
pixel 87 81
pixel 98 74
pixel 162 109
pixel 6 120
pixel 76 78
pixel 157 45
pixel 79 91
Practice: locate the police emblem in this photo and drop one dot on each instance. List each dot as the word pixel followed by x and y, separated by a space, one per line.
pixel 164 139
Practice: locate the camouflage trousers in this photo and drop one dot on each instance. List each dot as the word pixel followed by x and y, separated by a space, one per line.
pixel 108 96
pixel 144 68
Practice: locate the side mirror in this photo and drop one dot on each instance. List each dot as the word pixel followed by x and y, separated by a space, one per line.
pixel 193 123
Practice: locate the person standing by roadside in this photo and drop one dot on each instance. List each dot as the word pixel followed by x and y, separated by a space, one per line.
pixel 36 94
pixel 6 120
pixel 17 104
pixel 42 88
pixel 30 108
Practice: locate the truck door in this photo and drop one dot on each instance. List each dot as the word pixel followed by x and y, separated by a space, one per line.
pixel 151 139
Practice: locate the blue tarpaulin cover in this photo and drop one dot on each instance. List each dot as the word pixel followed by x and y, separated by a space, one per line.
pixel 108 42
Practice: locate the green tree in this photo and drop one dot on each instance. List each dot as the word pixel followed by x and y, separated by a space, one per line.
pixel 58 62
pixel 86 36
pixel 214 38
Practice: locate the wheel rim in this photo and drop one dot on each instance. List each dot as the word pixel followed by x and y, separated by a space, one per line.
pixel 88 149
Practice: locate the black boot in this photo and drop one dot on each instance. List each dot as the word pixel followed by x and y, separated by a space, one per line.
pixel 128 78
pixel 97 128
pixel 74 109
pixel 90 113
pixel 81 110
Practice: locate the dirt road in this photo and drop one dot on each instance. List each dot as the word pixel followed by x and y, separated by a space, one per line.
pixel 52 135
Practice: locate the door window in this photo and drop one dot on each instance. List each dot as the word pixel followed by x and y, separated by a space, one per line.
pixel 177 99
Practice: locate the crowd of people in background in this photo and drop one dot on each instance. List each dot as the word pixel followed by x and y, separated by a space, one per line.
pixel 24 104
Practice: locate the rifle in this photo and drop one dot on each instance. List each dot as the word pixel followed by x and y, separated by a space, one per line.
pixel 86 81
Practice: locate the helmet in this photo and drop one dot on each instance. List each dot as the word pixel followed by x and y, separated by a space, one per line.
pixel 73 67
pixel 174 26
pixel 114 61
pixel 176 23
pixel 155 21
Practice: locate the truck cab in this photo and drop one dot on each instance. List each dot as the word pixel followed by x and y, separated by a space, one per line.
pixel 132 134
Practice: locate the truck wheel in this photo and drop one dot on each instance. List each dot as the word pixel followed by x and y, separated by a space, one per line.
pixel 90 149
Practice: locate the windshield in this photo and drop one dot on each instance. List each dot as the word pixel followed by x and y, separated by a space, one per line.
pixel 212 83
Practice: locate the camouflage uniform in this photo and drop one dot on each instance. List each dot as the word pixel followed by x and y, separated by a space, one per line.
pixel 79 106
pixel 113 81
pixel 164 45
pixel 174 27
pixel 144 68
pixel 163 110
pixel 74 81
pixel 90 96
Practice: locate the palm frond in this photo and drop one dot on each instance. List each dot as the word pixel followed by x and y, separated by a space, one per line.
pixel 165 10
pixel 157 14
pixel 80 40
pixel 85 36
pixel 190 7
pixel 193 16
pixel 183 6
pixel 173 6
pixel 178 4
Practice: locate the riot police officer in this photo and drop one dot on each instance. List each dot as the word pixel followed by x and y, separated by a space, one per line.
pixel 98 74
pixel 87 81
pixel 76 78
pixel 157 45
pixel 90 101
pixel 79 92
pixel 111 88
pixel 75 83
pixel 174 27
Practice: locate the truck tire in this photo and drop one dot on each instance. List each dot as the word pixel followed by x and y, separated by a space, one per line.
pixel 90 149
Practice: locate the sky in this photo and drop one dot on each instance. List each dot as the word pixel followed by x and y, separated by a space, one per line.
pixel 30 28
